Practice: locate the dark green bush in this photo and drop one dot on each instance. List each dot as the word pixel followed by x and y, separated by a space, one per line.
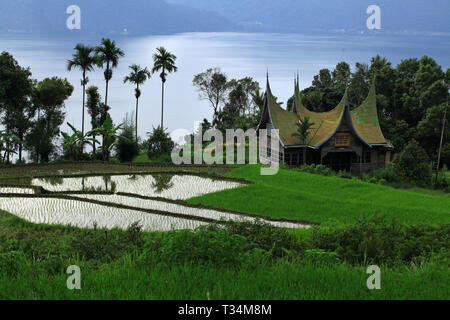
pixel 376 240
pixel 264 236
pixel 344 174
pixel 413 164
pixel 102 246
pixel 316 169
pixel 202 246
pixel 320 256
pixel 127 148
pixel 387 173
pixel 160 144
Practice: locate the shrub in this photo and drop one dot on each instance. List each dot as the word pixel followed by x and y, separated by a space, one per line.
pixel 160 144
pixel 320 256
pixel 442 181
pixel 344 174
pixel 127 148
pixel 388 174
pixel 413 164
pixel 375 240
pixel 263 235
pixel 372 180
pixel 323 170
pixel 316 169
pixel 201 246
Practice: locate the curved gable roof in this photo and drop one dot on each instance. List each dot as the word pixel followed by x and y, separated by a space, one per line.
pixel 283 120
pixel 365 120
pixel 325 124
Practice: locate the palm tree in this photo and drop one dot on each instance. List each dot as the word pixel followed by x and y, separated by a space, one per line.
pixel 84 60
pixel 164 61
pixel 108 54
pixel 137 76
pixel 302 133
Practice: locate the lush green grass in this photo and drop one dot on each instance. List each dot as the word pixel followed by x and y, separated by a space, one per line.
pixel 304 196
pixel 243 262
pixel 112 268
pixel 282 280
pixel 142 157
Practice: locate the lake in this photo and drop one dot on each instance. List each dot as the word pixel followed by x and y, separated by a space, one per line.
pixel 237 54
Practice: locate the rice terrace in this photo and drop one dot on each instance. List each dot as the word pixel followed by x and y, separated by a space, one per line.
pixel 232 157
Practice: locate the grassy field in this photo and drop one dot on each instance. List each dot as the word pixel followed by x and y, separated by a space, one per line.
pixel 241 261
pixel 283 280
pixel 304 196
pixel 112 268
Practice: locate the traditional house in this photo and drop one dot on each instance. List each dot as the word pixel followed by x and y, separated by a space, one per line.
pixel 341 139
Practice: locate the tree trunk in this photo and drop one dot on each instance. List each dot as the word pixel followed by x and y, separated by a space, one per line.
pixel 93 145
pixel 107 84
pixel 20 151
pixel 440 144
pixel 137 109
pixel 136 124
pixel 7 153
pixel 82 109
pixel 162 107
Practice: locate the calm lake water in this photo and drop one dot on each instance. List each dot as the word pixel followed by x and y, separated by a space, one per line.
pixel 237 54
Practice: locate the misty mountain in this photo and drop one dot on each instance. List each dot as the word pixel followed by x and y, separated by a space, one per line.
pixel 329 15
pixel 134 17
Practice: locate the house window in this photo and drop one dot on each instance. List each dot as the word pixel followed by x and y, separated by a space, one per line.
pixel 280 157
pixel 342 139
pixel 269 152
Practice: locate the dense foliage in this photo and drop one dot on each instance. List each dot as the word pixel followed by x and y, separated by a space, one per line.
pixel 411 98
pixel 127 148
pixel 38 255
pixel 159 145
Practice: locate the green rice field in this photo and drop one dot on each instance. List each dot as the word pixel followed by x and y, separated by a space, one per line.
pixel 310 197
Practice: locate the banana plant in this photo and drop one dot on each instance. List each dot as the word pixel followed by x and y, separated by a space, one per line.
pixel 74 143
pixel 109 133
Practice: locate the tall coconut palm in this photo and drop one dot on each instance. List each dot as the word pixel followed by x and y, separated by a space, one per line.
pixel 163 61
pixel 108 54
pixel 85 60
pixel 137 76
